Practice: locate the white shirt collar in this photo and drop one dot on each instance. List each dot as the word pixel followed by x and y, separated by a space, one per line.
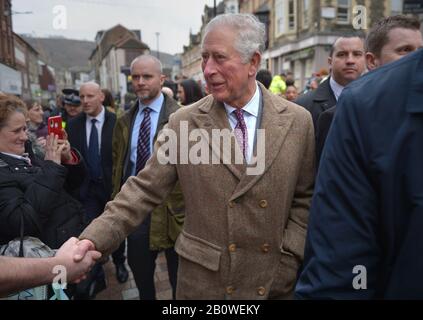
pixel 336 88
pixel 16 156
pixel 155 105
pixel 100 117
pixel 252 106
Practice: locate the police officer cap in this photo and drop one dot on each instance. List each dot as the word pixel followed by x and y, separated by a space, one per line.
pixel 71 96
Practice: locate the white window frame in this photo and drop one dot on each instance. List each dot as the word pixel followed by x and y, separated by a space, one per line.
pixel 279 18
pixel 398 4
pixel 306 14
pixel 292 15
pixel 343 6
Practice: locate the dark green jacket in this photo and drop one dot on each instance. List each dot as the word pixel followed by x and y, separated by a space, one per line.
pixel 167 219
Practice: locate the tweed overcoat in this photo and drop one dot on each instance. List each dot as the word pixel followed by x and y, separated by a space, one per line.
pixel 244 235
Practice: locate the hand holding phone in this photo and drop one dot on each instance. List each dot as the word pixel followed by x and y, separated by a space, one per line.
pixel 55 126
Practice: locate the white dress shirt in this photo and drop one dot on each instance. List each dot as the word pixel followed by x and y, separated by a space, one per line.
pixel 99 125
pixel 336 88
pixel 251 110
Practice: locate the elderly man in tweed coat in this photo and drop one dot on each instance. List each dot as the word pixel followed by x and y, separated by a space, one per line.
pixel 244 234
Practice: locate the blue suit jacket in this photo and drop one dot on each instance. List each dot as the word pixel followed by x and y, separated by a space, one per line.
pixel 367 209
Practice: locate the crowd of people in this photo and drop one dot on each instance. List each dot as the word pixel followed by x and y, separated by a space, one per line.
pixel 340 187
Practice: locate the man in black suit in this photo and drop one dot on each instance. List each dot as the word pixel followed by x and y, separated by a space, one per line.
pixel 390 39
pixel 347 63
pixel 91 133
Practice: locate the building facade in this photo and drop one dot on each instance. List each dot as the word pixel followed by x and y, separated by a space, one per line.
pixel 110 60
pixel 10 78
pixel 26 58
pixel 301 32
pixel 191 57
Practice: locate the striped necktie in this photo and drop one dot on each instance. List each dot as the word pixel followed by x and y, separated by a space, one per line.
pixel 143 144
pixel 241 132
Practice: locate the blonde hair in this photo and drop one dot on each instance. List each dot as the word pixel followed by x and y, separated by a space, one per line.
pixel 8 105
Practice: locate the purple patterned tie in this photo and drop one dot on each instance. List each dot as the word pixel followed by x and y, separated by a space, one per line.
pixel 143 145
pixel 241 133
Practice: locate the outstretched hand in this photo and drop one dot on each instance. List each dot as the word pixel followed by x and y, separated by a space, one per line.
pixel 83 246
pixel 77 269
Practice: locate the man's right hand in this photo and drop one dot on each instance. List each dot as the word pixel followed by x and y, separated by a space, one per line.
pixel 84 246
pixel 77 269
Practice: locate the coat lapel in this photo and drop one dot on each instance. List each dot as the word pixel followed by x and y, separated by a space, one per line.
pixel 83 135
pixel 276 122
pixel 214 116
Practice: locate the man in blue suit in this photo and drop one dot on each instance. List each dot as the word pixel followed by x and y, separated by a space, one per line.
pixel 365 236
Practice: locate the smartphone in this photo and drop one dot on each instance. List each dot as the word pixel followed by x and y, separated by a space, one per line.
pixel 55 126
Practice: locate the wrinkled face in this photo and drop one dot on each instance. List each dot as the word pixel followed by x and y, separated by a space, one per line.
pixel 91 99
pixel 13 134
pixel 72 110
pixel 291 93
pixel 181 94
pixel 347 61
pixel 35 114
pixel 228 78
pixel 400 43
pixel 147 80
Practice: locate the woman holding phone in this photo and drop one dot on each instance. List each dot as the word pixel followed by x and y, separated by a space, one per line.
pixel 37 129
pixel 35 194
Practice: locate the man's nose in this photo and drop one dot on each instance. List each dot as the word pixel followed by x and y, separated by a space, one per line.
pixel 209 67
pixel 351 59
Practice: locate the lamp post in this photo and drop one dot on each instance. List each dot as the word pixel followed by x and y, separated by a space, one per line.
pixel 158 53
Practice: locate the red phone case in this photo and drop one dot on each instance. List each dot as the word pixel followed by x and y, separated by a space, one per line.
pixel 55 126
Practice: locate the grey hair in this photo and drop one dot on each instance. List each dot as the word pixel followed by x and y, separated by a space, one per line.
pixel 251 33
pixel 147 57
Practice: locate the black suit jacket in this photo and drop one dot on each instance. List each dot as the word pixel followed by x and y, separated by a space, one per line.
pixel 318 101
pixel 77 134
pixel 322 128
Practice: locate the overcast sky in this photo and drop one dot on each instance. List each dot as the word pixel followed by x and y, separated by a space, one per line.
pixel 173 19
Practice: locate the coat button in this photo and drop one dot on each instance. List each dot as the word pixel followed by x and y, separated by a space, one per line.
pixel 263 203
pixel 261 291
pixel 231 204
pixel 232 247
pixel 230 290
pixel 265 248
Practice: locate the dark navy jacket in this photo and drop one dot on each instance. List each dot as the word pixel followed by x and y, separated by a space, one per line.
pixel 367 209
pixel 76 129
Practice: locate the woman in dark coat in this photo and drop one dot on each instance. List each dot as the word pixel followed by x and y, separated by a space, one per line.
pixel 35 193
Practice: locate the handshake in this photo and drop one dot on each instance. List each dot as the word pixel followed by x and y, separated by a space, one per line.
pixel 75 257
pixel 78 257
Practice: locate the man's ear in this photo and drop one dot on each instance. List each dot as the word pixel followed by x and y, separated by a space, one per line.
pixel 255 64
pixel 372 61
pixel 162 79
pixel 330 61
